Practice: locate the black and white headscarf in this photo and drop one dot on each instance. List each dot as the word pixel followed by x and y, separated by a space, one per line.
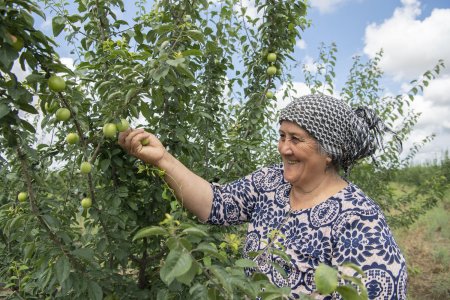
pixel 345 134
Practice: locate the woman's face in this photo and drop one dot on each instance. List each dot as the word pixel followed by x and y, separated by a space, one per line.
pixel 303 163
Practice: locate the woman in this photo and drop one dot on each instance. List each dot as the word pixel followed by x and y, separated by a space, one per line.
pixel 303 205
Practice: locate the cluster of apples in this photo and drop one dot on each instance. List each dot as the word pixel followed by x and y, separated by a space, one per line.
pixel 57 84
pixel 271 70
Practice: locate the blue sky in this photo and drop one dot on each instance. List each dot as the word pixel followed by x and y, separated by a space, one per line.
pixel 414 34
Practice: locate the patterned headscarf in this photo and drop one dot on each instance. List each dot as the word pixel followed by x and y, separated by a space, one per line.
pixel 344 133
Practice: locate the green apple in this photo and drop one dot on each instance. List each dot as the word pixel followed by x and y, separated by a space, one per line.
pixel 123 125
pixel 56 83
pixel 110 130
pixel 62 114
pixel 22 196
pixel 72 138
pixel 272 70
pixel 145 142
pixel 86 202
pixel 269 94
pixel 17 42
pixel 85 167
pixel 271 57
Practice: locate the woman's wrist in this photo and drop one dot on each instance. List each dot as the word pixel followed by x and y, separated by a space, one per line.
pixel 163 162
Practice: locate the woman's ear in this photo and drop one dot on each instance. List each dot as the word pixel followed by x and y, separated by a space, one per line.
pixel 329 160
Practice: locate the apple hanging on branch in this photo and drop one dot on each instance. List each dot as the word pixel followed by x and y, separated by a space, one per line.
pixel 85 167
pixel 86 202
pixel 22 196
pixel 72 138
pixel 56 83
pixel 123 125
pixel 62 114
pixel 271 57
pixel 16 42
pixel 272 70
pixel 110 130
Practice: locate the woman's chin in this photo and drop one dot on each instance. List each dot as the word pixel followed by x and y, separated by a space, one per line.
pixel 288 177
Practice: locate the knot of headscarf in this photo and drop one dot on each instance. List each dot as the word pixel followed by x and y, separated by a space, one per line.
pixel 345 134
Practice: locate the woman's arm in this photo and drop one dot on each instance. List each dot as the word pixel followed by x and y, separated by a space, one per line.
pixel 192 191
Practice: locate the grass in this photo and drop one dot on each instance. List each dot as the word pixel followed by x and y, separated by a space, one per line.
pixel 426 246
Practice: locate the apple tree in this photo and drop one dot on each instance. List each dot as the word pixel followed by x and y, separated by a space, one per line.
pixel 80 218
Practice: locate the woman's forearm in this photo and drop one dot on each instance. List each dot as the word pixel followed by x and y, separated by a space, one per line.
pixel 192 191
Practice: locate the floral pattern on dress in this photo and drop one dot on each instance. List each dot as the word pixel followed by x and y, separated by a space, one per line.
pixel 347 227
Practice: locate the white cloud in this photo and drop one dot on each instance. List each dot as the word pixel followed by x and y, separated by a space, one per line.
pixel 411 46
pixel 326 6
pixel 250 10
pixel 47 24
pixel 68 62
pixel 434 107
pixel 298 89
pixel 301 44
pixel 309 64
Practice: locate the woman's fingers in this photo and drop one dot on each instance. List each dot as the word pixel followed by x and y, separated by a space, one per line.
pixel 122 137
pixel 131 142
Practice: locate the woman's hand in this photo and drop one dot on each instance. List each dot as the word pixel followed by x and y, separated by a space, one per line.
pixel 131 142
pixel 191 190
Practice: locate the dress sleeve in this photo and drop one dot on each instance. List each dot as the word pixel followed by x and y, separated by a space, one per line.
pixel 234 203
pixel 366 240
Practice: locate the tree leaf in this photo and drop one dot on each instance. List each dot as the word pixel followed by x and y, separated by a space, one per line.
pixel 177 263
pixel 84 253
pixel 245 263
pixel 62 268
pixel 150 231
pixel 192 52
pixel 348 293
pixel 4 110
pixel 58 24
pixel 326 279
pixel 195 231
pixel 198 292
pixel 95 291
pixel 189 276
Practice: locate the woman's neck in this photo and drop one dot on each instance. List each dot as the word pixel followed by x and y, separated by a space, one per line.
pixel 309 195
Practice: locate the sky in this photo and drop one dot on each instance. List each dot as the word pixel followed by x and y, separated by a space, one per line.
pixel 414 35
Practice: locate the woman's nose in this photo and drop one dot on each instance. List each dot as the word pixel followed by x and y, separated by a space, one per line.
pixel 284 147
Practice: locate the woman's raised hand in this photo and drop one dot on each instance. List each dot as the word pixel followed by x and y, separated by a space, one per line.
pixel 132 142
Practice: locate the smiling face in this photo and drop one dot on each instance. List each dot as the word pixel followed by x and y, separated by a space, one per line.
pixel 304 164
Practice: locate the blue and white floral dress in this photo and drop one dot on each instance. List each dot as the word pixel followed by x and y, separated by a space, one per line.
pixel 347 227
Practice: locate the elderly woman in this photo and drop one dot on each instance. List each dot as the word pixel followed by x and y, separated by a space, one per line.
pixel 320 216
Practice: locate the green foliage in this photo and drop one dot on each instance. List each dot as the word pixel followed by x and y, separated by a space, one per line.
pixel 169 69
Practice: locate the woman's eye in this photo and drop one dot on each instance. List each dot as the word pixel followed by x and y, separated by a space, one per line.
pixel 295 139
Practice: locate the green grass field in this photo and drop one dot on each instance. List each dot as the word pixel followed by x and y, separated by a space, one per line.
pixel 426 245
